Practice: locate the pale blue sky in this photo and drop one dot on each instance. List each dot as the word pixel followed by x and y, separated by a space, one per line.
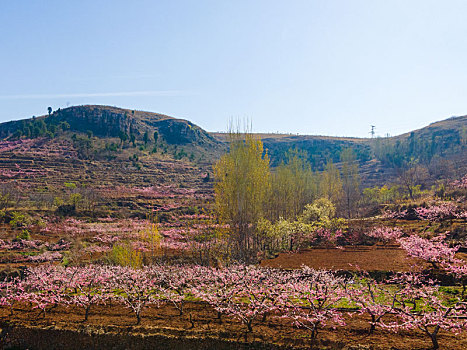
pixel 311 67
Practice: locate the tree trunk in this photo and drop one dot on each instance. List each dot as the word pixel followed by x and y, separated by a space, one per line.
pixel 314 331
pixel 248 325
pixel 434 340
pixel 373 324
pixel 138 318
pixel 86 313
pixel 192 322
pixel 181 309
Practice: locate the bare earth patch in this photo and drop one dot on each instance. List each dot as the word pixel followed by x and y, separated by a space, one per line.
pixel 162 328
pixel 369 258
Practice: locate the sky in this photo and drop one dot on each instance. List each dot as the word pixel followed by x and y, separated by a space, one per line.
pixel 324 67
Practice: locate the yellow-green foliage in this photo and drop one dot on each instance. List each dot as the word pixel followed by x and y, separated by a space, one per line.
pixel 125 255
pixel 242 183
pixel 330 185
pixel 384 194
pixel 19 220
pixel 293 185
pixel 24 235
pixel 321 214
pixel 284 234
pixel 75 199
pixel 152 236
pixel 321 209
pixel 279 236
pixel 58 201
pixel 70 185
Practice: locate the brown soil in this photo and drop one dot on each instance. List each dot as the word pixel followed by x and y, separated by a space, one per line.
pixel 369 258
pixel 118 321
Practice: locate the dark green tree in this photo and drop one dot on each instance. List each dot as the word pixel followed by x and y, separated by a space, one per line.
pixel 123 137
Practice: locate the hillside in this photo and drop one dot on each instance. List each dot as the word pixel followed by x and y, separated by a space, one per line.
pixel 440 146
pixel 104 133
pixel 102 154
pixel 106 121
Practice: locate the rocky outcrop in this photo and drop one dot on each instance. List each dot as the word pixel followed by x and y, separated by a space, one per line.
pixel 107 121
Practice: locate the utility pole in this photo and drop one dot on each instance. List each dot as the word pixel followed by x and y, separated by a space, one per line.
pixel 372 132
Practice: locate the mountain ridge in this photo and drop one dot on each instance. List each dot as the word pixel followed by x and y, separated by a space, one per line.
pixel 110 121
pixel 440 141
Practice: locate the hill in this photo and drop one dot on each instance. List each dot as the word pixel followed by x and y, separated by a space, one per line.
pixel 441 147
pixel 106 121
pixel 126 161
pixel 104 133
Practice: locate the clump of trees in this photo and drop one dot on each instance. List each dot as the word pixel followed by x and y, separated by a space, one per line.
pixel 267 208
pixel 242 186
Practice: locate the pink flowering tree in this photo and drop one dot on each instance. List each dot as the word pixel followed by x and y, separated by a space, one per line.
pixel 389 214
pixel 246 293
pixel 176 283
pixel 89 285
pixel 45 287
pixel 313 298
pixel 422 305
pixel 461 184
pixel 439 254
pixel 46 256
pixel 11 291
pixel 23 244
pixel 134 288
pixel 458 269
pixel 385 234
pixel 372 298
pixel 243 292
pixel 216 287
pixel 434 250
pixel 438 213
pixel 60 245
pixel 327 236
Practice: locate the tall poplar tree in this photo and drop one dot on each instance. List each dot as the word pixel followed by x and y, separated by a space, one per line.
pixel 293 186
pixel 242 181
pixel 350 181
pixel 330 185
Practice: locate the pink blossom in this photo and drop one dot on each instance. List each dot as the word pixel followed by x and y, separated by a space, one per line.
pixel 385 234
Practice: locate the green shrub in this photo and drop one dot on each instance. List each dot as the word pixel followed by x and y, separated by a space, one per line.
pixel 124 255
pixel 24 235
pixel 321 209
pixel 19 220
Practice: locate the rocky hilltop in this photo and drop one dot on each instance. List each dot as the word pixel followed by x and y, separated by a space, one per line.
pixel 106 121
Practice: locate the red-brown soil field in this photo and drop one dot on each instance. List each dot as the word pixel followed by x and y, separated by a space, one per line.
pixel 350 258
pixel 162 328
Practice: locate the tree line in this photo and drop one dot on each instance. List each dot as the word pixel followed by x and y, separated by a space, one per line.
pixel 248 190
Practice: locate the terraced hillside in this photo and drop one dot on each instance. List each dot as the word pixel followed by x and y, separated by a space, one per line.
pixel 98 134
pixel 39 170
